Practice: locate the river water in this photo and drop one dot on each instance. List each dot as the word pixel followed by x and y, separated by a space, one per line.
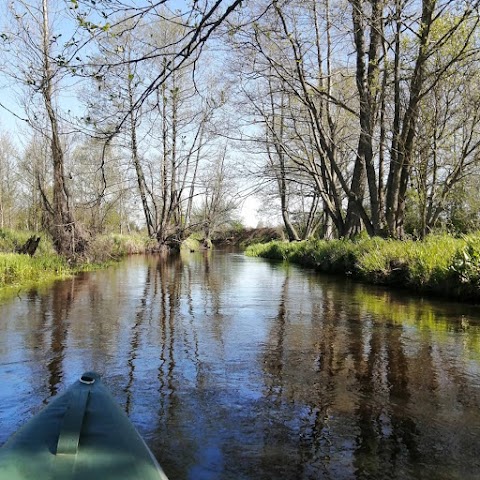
pixel 236 368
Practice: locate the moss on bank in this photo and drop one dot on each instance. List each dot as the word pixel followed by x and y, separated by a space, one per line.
pixel 440 264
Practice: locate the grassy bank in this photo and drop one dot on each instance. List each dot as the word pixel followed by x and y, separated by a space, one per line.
pixel 17 270
pixel 440 264
pixel 23 270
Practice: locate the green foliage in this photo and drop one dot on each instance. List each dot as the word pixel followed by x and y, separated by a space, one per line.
pixel 413 263
pixel 463 207
pixel 466 262
pixel 197 236
pixel 440 263
pixel 237 226
pixel 243 237
pixel 17 269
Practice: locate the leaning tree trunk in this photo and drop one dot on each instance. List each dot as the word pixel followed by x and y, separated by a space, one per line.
pixel 67 238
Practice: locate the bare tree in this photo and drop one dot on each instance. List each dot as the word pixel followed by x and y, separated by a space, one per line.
pixel 35 46
pixel 218 200
pixel 198 22
pixel 9 189
pixel 365 139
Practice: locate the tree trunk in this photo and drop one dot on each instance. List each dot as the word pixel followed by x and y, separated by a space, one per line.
pixel 395 166
pixel 366 79
pixel 162 222
pixel 282 178
pixel 68 239
pixel 403 165
pixel 142 187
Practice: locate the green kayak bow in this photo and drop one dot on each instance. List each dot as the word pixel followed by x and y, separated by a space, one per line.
pixel 81 434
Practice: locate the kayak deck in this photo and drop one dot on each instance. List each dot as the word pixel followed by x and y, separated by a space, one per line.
pixel 82 434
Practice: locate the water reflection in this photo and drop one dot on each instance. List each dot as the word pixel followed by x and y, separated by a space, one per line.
pixel 234 368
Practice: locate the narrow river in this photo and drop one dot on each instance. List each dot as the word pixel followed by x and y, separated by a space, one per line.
pixel 236 368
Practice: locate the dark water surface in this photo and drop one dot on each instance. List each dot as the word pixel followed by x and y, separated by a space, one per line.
pixel 234 368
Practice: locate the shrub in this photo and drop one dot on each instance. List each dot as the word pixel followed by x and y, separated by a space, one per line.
pixel 192 243
pixel 466 262
pixel 46 265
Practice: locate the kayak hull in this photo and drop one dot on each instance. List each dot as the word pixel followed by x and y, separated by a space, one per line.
pixel 82 434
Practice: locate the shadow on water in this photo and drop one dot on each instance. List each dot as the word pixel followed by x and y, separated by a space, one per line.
pixel 236 368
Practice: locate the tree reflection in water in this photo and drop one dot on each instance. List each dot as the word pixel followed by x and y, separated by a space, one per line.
pixel 235 368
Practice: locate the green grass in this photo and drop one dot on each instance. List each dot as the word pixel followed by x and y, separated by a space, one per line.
pixel 441 263
pixel 18 270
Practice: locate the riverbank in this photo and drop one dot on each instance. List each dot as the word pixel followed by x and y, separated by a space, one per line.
pixel 439 265
pixel 21 270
